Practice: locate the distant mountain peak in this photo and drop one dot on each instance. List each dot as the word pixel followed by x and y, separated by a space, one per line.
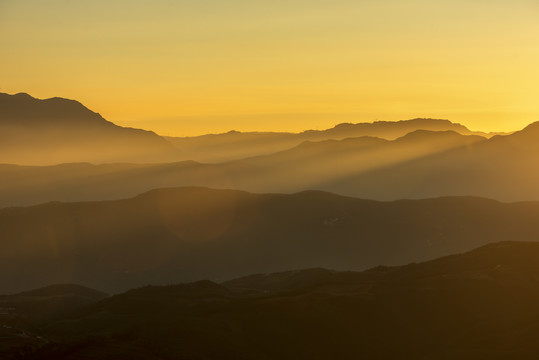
pixel 25 110
pixel 59 130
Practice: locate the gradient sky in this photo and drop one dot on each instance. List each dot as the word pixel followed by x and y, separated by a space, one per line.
pixel 192 67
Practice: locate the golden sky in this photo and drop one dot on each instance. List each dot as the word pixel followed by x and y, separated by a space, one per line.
pixel 189 67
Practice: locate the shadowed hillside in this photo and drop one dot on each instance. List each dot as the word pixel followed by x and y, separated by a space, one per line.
pixel 182 234
pixel 477 305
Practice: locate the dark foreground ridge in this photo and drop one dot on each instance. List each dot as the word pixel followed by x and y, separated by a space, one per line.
pixel 477 305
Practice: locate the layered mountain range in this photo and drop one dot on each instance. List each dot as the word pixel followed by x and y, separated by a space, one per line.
pixel 417 158
pixel 58 130
pixel 336 227
pixel 421 164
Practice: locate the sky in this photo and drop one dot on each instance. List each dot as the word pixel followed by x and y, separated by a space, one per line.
pixel 190 67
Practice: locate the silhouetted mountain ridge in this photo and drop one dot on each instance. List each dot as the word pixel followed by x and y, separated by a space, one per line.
pixel 24 110
pixel 56 130
pixel 391 130
pixel 60 130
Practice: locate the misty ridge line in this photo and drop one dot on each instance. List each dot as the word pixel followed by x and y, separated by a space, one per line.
pixel 418 158
pixel 419 165
pixel 67 125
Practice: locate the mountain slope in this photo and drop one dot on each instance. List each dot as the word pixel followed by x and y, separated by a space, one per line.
pixel 183 234
pixel 57 130
pixel 477 305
